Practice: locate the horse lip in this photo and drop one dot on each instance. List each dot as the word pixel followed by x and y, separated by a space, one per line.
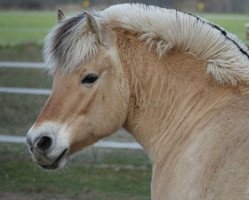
pixel 55 164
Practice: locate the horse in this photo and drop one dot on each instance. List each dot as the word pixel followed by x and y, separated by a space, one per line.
pixel 176 82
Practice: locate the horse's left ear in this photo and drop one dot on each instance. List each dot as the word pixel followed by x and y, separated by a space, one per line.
pixel 60 16
pixel 93 25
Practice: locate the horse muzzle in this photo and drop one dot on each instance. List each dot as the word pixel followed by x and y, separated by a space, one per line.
pixel 48 146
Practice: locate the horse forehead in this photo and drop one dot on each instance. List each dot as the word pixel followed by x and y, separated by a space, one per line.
pixel 101 62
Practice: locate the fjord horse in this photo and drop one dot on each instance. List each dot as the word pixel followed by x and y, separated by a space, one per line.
pixel 176 82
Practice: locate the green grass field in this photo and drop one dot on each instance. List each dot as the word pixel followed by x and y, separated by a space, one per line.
pixel 32 26
pixel 85 178
pixel 231 22
pixel 25 26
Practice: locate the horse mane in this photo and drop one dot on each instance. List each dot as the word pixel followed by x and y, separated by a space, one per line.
pixel 70 43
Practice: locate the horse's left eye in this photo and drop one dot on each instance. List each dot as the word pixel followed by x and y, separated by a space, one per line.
pixel 89 79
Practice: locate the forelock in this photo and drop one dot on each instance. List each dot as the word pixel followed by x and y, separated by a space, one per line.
pixel 69 44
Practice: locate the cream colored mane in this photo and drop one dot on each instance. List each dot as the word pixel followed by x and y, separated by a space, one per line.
pixel 70 43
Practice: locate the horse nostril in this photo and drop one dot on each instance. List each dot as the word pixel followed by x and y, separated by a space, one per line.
pixel 44 143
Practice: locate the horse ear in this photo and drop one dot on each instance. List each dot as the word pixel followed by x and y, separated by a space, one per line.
pixel 93 25
pixel 60 16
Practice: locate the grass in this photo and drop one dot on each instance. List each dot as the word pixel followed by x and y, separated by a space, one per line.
pixel 32 78
pixel 75 181
pixel 25 26
pixel 232 22
pixel 21 52
pixel 18 112
pixel 82 180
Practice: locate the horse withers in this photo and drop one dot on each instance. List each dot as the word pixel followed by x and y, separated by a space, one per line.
pixel 176 82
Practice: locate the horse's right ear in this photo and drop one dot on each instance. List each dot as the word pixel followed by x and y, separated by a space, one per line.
pixel 93 25
pixel 60 16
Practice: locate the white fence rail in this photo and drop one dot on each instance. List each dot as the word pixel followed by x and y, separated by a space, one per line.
pixel 100 144
pixel 34 91
pixel 23 65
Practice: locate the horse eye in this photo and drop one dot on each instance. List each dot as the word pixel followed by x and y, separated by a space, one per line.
pixel 89 79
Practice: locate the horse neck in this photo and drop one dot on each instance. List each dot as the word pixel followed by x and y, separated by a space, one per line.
pixel 168 96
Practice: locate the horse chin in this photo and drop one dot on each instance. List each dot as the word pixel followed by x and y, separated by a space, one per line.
pixel 59 162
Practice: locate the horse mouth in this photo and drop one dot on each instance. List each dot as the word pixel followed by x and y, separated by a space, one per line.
pixel 56 163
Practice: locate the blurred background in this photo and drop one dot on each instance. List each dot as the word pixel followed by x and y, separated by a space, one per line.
pixel 121 170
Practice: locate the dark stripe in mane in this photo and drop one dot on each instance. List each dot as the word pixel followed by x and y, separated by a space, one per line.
pixel 223 32
pixel 64 31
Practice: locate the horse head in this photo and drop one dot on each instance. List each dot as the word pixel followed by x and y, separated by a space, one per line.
pixel 89 96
